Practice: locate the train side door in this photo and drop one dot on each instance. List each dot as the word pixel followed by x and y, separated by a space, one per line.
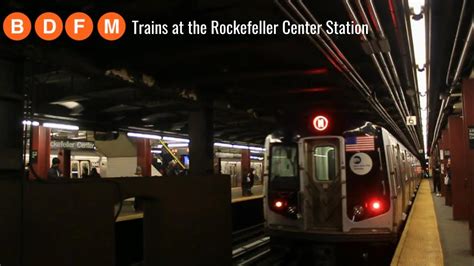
pixel 323 180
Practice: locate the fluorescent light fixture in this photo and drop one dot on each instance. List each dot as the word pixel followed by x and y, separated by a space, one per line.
pixel 143 136
pixel 423 103
pixel 30 123
pixel 224 145
pixel 178 145
pixel 418 35
pixel 257 152
pixel 176 139
pixel 416 5
pixel 240 147
pixel 256 158
pixel 60 126
pixel 418 31
pixel 256 149
pixel 422 86
pixel 156 151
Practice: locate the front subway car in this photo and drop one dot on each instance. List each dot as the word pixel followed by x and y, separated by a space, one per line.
pixel 352 187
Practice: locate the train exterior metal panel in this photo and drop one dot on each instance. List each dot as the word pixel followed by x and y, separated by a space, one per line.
pixel 348 187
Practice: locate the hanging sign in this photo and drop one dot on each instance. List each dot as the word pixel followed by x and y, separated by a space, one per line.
pixel 471 137
pixel 411 120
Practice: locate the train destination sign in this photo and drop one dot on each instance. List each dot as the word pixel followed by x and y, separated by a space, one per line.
pixel 72 145
pixel 471 136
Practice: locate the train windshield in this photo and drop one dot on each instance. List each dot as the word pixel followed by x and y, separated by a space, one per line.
pixel 284 166
pixel 283 162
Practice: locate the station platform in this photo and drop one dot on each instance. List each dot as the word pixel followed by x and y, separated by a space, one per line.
pixel 431 237
pixel 420 242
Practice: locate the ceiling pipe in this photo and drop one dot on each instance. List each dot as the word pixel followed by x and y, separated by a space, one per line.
pixel 394 81
pixel 382 37
pixel 374 102
pixel 445 103
pixel 327 51
pixel 456 39
pixel 336 57
pixel 391 64
pixel 385 72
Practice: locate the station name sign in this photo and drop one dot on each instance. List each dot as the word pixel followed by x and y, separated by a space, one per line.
pixel 72 145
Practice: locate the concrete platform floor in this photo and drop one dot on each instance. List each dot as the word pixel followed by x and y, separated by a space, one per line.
pixel 454 235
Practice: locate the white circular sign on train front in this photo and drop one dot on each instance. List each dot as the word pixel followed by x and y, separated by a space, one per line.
pixel 361 163
pixel 320 123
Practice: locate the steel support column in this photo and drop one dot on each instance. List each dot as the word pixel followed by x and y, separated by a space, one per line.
pixel 201 135
pixel 144 156
pixel 468 115
pixel 41 152
pixel 459 188
pixel 245 163
pixel 11 113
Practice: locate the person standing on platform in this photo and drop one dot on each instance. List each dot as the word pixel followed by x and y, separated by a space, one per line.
pixel 54 172
pixel 247 183
pixel 447 177
pixel 437 180
pixel 94 173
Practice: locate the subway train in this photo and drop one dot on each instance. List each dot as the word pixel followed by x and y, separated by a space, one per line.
pixel 341 186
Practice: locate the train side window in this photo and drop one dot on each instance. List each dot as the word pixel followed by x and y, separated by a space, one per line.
pixel 399 165
pixel 391 165
pixel 324 163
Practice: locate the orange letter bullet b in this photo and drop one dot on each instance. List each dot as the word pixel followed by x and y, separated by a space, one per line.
pixel 17 26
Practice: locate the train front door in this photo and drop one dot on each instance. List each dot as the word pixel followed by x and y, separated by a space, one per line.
pixel 323 183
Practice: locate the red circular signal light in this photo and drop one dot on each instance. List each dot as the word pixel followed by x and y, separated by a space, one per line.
pixel 278 204
pixel 376 206
pixel 320 123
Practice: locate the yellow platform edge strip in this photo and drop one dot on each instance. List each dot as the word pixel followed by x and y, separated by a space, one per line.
pixel 401 243
pixel 129 217
pixel 247 198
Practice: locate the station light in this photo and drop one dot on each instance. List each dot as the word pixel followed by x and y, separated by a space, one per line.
pixel 178 145
pixel 176 139
pixel 418 36
pixel 143 136
pixel 256 149
pixel 156 151
pixel 224 145
pixel 60 126
pixel 240 147
pixel 30 123
pixel 256 158
pixel 416 5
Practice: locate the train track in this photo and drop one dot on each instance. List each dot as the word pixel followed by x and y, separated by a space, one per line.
pixel 250 245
